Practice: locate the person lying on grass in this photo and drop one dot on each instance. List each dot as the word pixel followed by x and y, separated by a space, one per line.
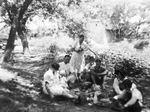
pixel 54 84
pixel 130 100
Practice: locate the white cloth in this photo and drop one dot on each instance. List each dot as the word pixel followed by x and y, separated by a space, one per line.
pixel 90 66
pixel 136 95
pixel 116 85
pixel 65 68
pixel 56 85
pixel 77 59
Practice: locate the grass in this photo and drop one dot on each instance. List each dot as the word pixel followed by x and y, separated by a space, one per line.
pixel 19 97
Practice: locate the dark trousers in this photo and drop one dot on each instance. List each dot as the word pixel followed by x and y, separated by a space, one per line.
pixel 134 108
pixel 98 79
pixel 118 103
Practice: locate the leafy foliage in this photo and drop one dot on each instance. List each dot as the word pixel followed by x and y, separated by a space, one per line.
pixel 127 59
pixel 127 20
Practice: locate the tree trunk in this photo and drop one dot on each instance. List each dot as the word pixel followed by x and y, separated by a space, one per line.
pixel 24 41
pixel 10 44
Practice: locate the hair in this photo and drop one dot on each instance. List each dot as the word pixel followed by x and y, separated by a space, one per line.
pixel 98 60
pixel 67 56
pixel 55 66
pixel 81 36
pixel 91 58
pixel 127 83
pixel 117 72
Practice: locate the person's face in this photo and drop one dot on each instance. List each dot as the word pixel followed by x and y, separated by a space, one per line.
pixel 98 63
pixel 66 60
pixel 91 61
pixel 119 76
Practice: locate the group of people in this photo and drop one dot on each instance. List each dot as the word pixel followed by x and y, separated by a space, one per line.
pixel 73 69
pixel 126 95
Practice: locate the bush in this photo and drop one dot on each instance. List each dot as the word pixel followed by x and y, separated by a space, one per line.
pixel 129 61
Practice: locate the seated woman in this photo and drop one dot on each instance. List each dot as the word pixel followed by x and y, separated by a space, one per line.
pixel 130 99
pixel 53 84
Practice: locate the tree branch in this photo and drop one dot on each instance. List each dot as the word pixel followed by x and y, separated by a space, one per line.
pixel 3 27
pixel 8 10
pixel 24 8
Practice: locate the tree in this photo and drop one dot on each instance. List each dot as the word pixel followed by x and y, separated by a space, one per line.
pixel 14 12
pixel 127 19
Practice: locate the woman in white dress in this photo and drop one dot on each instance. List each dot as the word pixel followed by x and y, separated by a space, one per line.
pixel 77 60
pixel 53 84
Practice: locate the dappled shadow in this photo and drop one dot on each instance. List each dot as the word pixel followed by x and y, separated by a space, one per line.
pixel 25 98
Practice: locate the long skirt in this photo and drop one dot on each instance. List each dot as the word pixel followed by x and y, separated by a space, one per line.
pixel 77 61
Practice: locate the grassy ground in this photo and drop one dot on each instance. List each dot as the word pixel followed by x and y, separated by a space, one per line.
pixel 18 96
pixel 24 95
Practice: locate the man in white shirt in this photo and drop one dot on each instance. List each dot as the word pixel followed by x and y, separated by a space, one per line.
pixel 130 98
pixel 65 67
pixel 66 70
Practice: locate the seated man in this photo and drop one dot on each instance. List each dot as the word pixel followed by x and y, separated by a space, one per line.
pixel 98 73
pixel 131 98
pixel 66 70
pixel 86 72
pixel 53 85
pixel 117 84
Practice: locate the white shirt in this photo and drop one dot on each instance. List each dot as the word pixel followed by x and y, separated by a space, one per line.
pixel 65 68
pixel 51 78
pixel 56 84
pixel 89 66
pixel 136 95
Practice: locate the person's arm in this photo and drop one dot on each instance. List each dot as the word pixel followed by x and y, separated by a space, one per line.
pixel 94 73
pixel 47 77
pixel 71 70
pixel 132 100
pixel 116 86
pixel 86 67
pixel 73 48
pixel 105 71
pixel 120 96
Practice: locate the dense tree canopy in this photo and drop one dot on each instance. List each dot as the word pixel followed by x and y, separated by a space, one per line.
pixel 72 16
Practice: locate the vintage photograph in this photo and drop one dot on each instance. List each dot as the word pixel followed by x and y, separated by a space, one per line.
pixel 74 55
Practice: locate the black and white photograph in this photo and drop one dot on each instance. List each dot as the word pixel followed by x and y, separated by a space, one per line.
pixel 74 55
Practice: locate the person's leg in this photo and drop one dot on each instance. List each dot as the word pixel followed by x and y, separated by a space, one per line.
pixel 49 91
pixel 94 78
pixel 101 81
pixel 67 94
pixel 134 108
